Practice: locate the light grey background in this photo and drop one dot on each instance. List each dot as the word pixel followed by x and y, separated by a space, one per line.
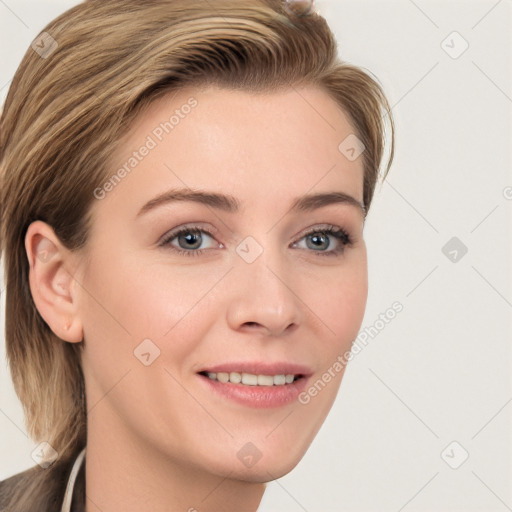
pixel 441 370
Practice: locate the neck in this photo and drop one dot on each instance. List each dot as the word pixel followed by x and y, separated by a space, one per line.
pixel 123 473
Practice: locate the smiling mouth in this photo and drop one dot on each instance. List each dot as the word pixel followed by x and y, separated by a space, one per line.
pixel 250 379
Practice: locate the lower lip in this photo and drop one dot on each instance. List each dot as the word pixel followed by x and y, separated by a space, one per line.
pixel 258 396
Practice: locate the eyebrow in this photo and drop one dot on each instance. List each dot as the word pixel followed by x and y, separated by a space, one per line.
pixel 230 204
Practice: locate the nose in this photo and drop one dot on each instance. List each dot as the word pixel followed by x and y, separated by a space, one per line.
pixel 264 300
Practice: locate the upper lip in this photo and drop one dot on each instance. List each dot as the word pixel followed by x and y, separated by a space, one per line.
pixel 259 368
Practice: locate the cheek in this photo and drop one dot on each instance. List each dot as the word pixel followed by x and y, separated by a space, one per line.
pixel 341 304
pixel 144 299
pixel 128 303
pixel 132 302
pixel 353 295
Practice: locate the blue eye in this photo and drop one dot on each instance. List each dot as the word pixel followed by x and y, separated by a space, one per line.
pixel 319 240
pixel 322 238
pixel 189 239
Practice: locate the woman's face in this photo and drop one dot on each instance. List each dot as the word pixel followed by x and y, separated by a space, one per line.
pixel 227 278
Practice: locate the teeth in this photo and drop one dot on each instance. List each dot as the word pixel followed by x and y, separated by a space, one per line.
pixel 223 377
pixel 279 380
pixel 265 380
pixel 250 379
pixel 234 377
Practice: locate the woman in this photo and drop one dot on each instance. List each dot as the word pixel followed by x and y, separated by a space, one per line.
pixel 184 186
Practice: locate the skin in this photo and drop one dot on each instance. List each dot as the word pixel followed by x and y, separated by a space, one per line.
pixel 158 439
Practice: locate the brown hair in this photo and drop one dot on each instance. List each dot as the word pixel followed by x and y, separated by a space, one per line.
pixel 66 111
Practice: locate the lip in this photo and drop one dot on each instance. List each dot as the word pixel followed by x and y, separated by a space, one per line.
pixel 258 397
pixel 260 368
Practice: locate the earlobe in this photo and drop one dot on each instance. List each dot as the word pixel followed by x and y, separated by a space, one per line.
pixel 51 282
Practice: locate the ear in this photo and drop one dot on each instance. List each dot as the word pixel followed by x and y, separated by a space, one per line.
pixel 52 284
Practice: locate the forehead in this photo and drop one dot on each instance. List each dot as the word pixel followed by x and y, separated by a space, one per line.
pixel 256 146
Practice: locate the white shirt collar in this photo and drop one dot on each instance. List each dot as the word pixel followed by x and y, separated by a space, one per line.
pixel 68 495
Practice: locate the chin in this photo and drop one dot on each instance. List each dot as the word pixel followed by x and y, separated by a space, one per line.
pixel 263 472
pixel 260 465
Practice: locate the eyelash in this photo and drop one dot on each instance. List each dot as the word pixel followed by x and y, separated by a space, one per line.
pixel 338 233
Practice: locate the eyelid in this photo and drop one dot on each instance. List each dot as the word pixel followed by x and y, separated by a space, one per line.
pixel 324 227
pixel 189 226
